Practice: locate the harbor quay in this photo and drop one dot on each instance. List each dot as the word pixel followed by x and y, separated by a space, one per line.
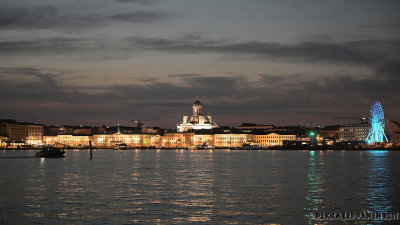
pixel 169 140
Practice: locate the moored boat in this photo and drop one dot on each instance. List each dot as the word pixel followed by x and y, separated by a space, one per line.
pixel 50 152
pixel 120 146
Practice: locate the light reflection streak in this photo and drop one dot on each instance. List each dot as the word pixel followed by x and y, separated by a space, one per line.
pixel 313 197
pixel 377 197
pixel 198 184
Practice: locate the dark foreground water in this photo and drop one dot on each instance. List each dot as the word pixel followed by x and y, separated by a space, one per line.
pixel 210 187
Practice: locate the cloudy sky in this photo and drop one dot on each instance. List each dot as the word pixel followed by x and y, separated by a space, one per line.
pixel 283 62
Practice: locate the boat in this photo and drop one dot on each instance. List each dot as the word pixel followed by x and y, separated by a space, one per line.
pixel 121 146
pixel 50 152
pixel 204 146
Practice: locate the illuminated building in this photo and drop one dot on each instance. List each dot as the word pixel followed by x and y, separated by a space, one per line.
pixel 355 132
pixel 156 141
pixel 232 140
pixel 197 121
pixel 73 140
pixel 200 139
pixel 50 140
pixel 178 140
pixel 101 140
pixel 131 140
pixel 204 139
pixel 169 140
pixel 3 142
pixel 34 134
pixel 28 133
pixel 273 139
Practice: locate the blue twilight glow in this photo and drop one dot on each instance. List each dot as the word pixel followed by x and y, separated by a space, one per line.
pixel 377 122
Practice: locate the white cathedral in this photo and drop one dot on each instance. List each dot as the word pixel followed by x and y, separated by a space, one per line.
pixel 197 121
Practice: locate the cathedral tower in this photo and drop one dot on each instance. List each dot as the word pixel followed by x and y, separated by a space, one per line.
pixel 197 108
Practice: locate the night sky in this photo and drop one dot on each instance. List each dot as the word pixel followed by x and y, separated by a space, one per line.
pixel 281 62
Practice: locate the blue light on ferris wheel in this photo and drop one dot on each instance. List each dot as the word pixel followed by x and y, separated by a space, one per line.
pixel 377 124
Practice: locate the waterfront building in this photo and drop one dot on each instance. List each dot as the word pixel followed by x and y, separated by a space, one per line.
pixel 273 139
pixel 197 120
pixel 393 131
pixel 395 139
pixel 328 133
pixel 27 133
pixel 101 140
pixel 178 140
pixel 204 140
pixel 3 141
pixel 131 140
pixel 200 138
pixel 76 141
pixel 354 132
pixel 170 140
pixel 156 141
pixel 50 140
pixel 232 140
pixel 34 134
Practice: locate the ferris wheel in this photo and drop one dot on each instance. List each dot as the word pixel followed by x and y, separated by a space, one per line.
pixel 377 124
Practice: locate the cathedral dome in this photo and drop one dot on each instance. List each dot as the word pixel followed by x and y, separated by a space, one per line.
pixel 197 103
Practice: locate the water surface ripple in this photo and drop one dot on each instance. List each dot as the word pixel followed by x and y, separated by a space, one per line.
pixel 200 187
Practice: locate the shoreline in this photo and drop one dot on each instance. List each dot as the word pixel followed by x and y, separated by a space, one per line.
pixel 216 149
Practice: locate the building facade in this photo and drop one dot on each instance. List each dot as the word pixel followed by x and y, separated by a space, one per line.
pixel 31 134
pixel 273 139
pixel 232 140
pixel 204 140
pixel 395 139
pixel 178 140
pixel 169 140
pixel 101 140
pixel 197 120
pixel 357 132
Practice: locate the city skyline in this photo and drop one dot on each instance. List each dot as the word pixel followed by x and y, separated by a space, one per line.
pixel 267 62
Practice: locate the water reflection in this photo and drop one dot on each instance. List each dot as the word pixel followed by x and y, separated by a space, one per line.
pixel 195 180
pixel 313 193
pixel 378 185
pixel 194 187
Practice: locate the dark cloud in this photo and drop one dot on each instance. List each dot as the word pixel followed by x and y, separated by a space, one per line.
pixel 383 26
pixel 50 17
pixel 136 1
pixel 216 82
pixel 55 45
pixel 223 96
pixel 270 79
pixel 43 18
pixel 143 16
pixel 184 75
pixel 144 79
pixel 390 69
pixel 47 78
pixel 367 53
pixel 343 53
